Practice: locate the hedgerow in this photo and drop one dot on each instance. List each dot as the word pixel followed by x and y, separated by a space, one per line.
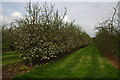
pixel 108 35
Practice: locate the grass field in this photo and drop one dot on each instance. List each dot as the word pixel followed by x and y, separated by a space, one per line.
pixel 84 63
pixel 10 57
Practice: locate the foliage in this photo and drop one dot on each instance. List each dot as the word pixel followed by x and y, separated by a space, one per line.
pixel 23 68
pixel 42 33
pixel 107 37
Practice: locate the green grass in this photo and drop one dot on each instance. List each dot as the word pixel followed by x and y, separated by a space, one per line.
pixel 5 46
pixel 84 63
pixel 10 57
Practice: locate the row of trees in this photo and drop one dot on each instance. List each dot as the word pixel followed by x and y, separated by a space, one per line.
pixel 43 33
pixel 108 35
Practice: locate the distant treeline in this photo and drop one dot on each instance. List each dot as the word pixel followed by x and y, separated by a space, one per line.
pixel 43 33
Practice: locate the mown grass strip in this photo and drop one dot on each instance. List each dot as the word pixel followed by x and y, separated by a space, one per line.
pixel 10 57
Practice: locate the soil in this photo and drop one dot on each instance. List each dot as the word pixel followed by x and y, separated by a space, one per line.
pixel 115 61
pixel 5 50
pixel 9 71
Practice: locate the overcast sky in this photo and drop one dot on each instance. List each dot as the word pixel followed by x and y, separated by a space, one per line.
pixel 86 14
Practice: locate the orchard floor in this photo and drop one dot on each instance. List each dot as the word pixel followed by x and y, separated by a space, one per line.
pixel 12 65
pixel 87 62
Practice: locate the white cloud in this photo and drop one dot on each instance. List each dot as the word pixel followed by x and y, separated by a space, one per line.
pixel 5 20
pixel 66 19
pixel 8 19
pixel 16 15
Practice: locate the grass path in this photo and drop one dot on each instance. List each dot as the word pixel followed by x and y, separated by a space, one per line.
pixel 84 63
